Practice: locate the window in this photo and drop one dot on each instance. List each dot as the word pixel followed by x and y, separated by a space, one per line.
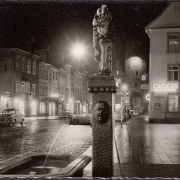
pixel 23 87
pixel 173 42
pixel 18 59
pixel 34 67
pixel 50 75
pixel 23 65
pixel 136 73
pixel 17 86
pixel 28 66
pixel 46 91
pixel 46 75
pixel 27 87
pixel 173 103
pixel 173 72
pixel 33 89
pixel 53 75
pixel 117 72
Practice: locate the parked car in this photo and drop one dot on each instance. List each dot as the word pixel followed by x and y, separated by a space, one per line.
pixel 65 114
pixel 11 116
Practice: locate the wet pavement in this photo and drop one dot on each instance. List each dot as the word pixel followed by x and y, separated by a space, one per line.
pixel 145 150
pixel 140 142
pixel 37 136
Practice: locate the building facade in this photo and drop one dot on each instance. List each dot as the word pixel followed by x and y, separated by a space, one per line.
pixel 164 34
pixel 19 80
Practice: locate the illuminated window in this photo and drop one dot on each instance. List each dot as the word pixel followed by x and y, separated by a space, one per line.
pixel 173 42
pixel 34 67
pixel 173 71
pixel 23 65
pixel 117 72
pixel 33 89
pixel 29 66
pixel 173 103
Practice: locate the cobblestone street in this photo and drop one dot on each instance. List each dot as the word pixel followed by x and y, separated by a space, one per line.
pixel 37 136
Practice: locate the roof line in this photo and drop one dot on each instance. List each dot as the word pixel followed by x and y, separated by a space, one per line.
pixel 146 28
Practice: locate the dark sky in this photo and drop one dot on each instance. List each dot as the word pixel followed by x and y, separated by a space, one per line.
pixel 58 24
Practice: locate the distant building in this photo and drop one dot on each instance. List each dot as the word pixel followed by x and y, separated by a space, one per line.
pixel 135 67
pixel 19 80
pixel 48 89
pixel 164 34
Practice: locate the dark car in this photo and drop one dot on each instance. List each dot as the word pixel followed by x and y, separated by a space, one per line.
pixel 65 114
pixel 11 116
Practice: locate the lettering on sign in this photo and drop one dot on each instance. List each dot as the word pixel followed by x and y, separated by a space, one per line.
pixel 165 85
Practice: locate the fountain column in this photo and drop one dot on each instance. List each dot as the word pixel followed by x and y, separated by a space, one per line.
pixel 102 86
pixel 102 89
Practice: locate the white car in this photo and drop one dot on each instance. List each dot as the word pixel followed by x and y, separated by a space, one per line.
pixel 11 116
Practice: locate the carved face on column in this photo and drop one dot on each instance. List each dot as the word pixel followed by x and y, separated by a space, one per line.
pixel 101 112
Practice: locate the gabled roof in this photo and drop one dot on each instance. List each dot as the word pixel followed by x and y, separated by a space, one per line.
pixel 169 18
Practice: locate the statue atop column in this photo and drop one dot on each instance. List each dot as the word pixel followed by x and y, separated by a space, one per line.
pixel 103 37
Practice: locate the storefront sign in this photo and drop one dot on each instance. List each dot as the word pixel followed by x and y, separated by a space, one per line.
pixel 165 85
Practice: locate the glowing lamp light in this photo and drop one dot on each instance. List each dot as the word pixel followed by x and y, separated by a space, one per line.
pixel 78 51
pixel 147 97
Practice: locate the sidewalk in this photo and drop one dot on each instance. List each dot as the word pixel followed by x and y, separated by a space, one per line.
pixel 145 150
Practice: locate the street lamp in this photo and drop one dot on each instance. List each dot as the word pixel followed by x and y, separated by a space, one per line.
pixel 78 50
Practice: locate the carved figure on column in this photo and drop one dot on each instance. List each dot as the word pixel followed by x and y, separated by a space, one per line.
pixel 102 112
pixel 103 37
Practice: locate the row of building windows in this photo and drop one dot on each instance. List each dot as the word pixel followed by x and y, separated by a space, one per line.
pixel 48 75
pixel 25 65
pixel 22 86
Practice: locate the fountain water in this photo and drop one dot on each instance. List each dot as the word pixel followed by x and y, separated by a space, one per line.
pixel 53 144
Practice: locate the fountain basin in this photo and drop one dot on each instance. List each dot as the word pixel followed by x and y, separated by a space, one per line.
pixel 56 166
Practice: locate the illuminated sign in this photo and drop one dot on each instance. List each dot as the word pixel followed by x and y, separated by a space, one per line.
pixel 166 85
pixel 147 97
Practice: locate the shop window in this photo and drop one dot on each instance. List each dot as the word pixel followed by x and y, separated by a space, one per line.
pixel 173 103
pixel 29 66
pixel 173 42
pixel 23 65
pixel 42 107
pixel 173 72
pixel 34 67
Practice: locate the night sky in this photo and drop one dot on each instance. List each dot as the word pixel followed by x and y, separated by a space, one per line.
pixel 56 25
